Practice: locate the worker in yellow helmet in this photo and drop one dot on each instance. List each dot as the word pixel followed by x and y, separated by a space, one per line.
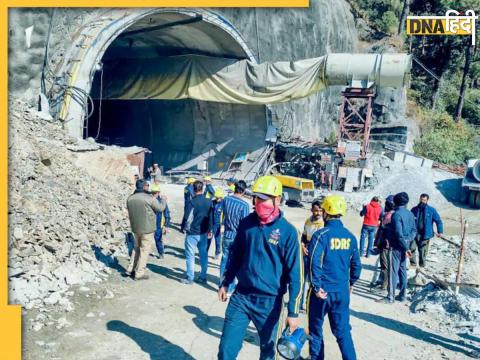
pixel 334 266
pixel 187 196
pixel 217 219
pixel 266 258
pixel 163 220
pixel 209 190
pixel 231 185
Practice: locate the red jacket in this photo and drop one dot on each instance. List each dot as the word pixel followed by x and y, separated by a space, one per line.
pixel 372 213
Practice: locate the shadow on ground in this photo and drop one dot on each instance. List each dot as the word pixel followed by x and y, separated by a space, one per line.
pixel 416 333
pixel 154 345
pixel 109 261
pixel 452 190
pixel 213 325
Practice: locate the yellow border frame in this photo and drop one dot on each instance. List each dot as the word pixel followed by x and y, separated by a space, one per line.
pixel 10 315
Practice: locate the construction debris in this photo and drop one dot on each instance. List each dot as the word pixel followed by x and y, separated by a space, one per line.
pixel 66 226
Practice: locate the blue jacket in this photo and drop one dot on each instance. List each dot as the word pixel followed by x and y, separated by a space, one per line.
pixel 209 191
pixel 187 194
pixel 197 216
pixel 334 260
pixel 402 229
pixel 431 216
pixel 160 216
pixel 266 259
pixel 217 211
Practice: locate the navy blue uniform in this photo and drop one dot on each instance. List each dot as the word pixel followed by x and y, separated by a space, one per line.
pixel 209 191
pixel 163 219
pixel 334 267
pixel 266 260
pixel 401 232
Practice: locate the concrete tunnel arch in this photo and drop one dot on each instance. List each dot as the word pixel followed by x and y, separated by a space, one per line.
pixel 99 33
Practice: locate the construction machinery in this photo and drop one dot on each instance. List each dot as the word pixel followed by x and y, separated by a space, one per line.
pixel 296 189
pixel 471 182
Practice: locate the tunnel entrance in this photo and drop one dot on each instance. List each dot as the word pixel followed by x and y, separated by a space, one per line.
pixel 182 134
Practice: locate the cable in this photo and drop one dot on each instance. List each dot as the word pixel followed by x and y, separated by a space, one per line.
pixel 438 79
pixel 45 58
pixel 100 104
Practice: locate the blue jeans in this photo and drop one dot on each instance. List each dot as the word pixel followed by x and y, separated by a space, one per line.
pixel 226 247
pixel 369 231
pixel 336 306
pixel 397 273
pixel 159 241
pixel 217 234
pixel 192 242
pixel 263 311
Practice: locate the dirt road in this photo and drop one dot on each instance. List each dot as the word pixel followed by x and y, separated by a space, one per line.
pixel 162 319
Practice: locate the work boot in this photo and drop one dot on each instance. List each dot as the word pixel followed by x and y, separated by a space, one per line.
pixel 143 277
pixel 186 281
pixel 201 280
pixel 400 298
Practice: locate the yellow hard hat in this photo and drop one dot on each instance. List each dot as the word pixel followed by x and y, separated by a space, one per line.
pixel 207 178
pixel 219 194
pixel 334 205
pixel 266 186
pixel 154 188
pixel 191 180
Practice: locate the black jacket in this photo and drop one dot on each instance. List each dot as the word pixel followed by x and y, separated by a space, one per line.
pixel 197 219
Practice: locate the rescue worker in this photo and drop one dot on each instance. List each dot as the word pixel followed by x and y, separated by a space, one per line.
pixel 382 243
pixel 217 221
pixel 234 209
pixel 187 196
pixel 425 217
pixel 401 232
pixel 197 227
pixel 209 190
pixel 163 220
pixel 334 268
pixel 266 259
pixel 142 208
pixel 312 224
pixel 231 185
pixel 372 214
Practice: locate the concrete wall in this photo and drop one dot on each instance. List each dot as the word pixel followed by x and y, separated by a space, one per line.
pixel 179 131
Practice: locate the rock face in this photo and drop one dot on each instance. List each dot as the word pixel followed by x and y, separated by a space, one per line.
pixel 65 225
pixel 272 34
pixel 327 26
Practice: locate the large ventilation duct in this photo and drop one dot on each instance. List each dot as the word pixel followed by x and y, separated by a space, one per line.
pixel 243 82
pixel 367 70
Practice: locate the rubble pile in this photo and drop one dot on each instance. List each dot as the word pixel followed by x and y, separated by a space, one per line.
pixel 65 226
pixel 448 308
pixel 391 177
pixel 462 310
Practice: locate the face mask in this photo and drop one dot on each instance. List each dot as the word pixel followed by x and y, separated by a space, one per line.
pixel 266 211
